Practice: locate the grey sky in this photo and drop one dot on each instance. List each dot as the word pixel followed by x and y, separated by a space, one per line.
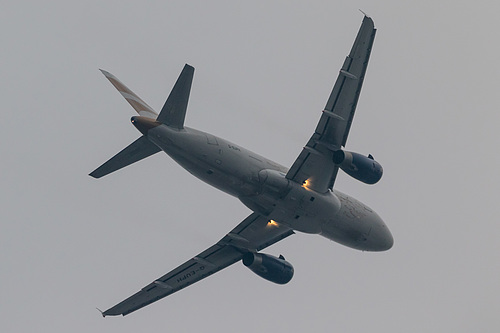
pixel 428 112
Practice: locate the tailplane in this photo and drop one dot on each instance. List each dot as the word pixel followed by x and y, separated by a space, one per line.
pixel 136 151
pixel 172 114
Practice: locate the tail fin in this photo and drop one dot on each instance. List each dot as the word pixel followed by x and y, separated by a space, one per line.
pixel 174 111
pixel 137 103
pixel 136 151
pixel 172 114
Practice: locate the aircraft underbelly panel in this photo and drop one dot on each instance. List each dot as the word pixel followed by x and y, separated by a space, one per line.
pixel 305 210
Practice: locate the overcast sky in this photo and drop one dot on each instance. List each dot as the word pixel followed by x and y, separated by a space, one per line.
pixel 428 112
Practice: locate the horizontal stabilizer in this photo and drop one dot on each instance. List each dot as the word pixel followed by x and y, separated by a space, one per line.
pixel 136 151
pixel 174 111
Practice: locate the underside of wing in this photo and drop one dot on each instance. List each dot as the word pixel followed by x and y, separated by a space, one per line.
pixel 315 165
pixel 253 234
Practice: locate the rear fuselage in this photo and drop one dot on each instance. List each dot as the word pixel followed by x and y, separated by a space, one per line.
pixel 261 185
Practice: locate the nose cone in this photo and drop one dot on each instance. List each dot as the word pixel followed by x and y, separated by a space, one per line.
pixel 380 237
pixel 144 124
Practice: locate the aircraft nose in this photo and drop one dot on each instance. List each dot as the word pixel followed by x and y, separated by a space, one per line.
pixel 381 237
pixel 144 124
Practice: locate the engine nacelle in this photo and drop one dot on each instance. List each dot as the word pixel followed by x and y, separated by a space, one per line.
pixel 362 168
pixel 273 269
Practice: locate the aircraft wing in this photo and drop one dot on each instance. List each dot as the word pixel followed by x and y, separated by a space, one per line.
pixel 253 234
pixel 314 167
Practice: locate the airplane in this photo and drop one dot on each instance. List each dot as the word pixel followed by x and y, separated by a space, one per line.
pixel 282 200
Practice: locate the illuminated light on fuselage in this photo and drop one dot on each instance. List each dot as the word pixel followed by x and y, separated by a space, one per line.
pixel 305 184
pixel 272 223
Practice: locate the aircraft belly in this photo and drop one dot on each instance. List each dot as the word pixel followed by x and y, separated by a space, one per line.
pixel 305 210
pixel 239 173
pixel 208 159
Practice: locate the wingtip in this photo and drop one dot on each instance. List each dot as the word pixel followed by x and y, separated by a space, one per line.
pixel 101 312
pixel 368 18
pixel 366 15
pixel 93 175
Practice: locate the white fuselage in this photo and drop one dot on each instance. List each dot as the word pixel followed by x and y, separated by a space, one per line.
pixel 261 185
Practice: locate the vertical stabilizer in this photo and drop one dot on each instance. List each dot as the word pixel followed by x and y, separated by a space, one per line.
pixel 135 101
pixel 174 111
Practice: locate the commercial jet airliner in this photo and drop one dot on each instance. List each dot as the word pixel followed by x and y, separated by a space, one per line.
pixel 282 200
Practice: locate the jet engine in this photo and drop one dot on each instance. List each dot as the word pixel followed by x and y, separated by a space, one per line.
pixel 273 269
pixel 362 168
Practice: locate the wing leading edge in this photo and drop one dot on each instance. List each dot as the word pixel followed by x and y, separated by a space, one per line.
pixel 314 164
pixel 253 234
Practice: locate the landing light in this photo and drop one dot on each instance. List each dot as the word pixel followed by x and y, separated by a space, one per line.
pixel 272 223
pixel 305 184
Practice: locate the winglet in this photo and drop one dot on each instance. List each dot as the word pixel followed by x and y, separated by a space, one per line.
pixel 102 313
pixel 364 13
